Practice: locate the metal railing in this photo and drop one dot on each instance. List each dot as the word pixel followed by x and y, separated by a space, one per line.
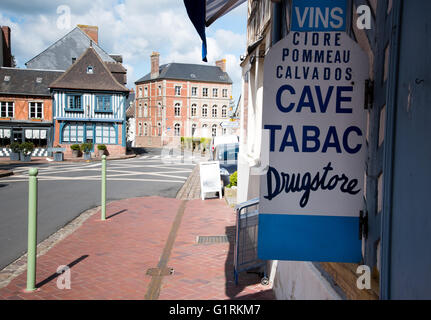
pixel 245 255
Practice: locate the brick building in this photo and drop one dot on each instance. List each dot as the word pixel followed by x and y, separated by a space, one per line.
pixel 26 108
pixel 181 100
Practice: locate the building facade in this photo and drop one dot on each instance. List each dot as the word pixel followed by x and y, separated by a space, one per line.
pixel 181 100
pixel 89 106
pixel 26 108
pixel 396 226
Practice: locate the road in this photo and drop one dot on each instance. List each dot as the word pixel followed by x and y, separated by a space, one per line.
pixel 68 189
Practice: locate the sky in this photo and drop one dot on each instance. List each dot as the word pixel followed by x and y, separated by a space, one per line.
pixel 132 28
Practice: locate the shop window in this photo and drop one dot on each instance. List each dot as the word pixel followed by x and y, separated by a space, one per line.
pixel 5 135
pixel 73 133
pixel 106 134
pixel 38 137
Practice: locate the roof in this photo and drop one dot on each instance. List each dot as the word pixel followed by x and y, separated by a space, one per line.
pixel 77 77
pixel 115 67
pixel 189 72
pixel 130 105
pixel 59 55
pixel 27 81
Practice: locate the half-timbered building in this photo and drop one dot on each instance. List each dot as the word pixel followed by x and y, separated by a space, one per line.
pixel 89 106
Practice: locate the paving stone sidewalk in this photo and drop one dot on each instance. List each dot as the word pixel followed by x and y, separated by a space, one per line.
pixel 127 256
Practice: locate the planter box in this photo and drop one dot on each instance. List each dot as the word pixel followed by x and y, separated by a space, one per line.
pixel 75 153
pixel 14 156
pixel 87 155
pixel 101 153
pixel 58 156
pixel 25 158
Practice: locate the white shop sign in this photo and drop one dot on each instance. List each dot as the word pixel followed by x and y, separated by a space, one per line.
pixel 210 178
pixel 314 89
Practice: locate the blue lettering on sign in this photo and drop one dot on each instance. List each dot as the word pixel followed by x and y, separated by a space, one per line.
pixel 319 15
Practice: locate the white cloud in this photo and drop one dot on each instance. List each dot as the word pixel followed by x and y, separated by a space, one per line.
pixel 133 28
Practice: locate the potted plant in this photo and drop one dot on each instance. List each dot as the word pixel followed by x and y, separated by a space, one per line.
pixel 102 149
pixel 86 149
pixel 14 151
pixel 26 149
pixel 76 149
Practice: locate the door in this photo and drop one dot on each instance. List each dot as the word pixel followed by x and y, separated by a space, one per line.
pixel 17 136
pixel 406 258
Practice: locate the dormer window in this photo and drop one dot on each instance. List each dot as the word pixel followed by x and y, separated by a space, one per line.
pixel 90 70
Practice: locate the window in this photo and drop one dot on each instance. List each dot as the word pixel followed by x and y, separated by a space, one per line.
pixel 74 103
pixel 214 130
pixel 224 111
pixel 145 129
pixel 145 110
pixel 90 70
pixel 224 131
pixel 140 110
pixel 159 129
pixel 159 109
pixel 224 93
pixel 36 110
pixel 140 128
pixel 159 90
pixel 215 92
pixel 7 109
pixel 103 104
pixel 146 92
pixel 37 136
pixel 194 91
pixel 5 137
pixel 194 110
pixel 205 92
pixel 193 129
pixel 177 130
pixel 106 134
pixel 177 110
pixel 204 111
pixel 73 133
pixel 177 90
pixel 214 111
pixel 140 92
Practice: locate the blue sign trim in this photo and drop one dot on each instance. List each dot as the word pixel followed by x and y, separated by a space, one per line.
pixel 309 238
pixel 319 15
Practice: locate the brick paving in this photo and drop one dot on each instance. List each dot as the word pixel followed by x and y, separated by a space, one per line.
pixel 109 260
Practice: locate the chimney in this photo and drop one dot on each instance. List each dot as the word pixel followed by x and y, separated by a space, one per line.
pixel 155 64
pixel 221 64
pixel 7 53
pixel 91 31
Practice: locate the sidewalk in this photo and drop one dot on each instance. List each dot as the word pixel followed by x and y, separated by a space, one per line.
pixel 147 249
pixel 40 160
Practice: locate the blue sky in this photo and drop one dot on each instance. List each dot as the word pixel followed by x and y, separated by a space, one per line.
pixel 133 28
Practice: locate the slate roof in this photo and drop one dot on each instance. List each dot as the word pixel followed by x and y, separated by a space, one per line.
pixel 24 81
pixel 76 77
pixel 59 55
pixel 189 72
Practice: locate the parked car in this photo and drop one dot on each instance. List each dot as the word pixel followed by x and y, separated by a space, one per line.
pixel 222 140
pixel 227 155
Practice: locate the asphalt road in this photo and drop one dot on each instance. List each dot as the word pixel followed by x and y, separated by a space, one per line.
pixel 68 189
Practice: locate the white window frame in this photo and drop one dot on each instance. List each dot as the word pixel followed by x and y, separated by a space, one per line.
pixel 215 92
pixel 224 93
pixel 177 94
pixel 194 91
pixel 224 111
pixel 29 109
pixel 177 125
pixel 205 114
pixel 177 105
pixel 214 114
pixel 7 108
pixel 204 92
pixel 146 91
pixel 194 110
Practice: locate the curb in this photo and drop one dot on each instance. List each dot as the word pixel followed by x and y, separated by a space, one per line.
pixel 19 266
pixel 5 173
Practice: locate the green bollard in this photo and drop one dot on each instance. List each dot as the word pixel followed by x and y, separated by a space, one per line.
pixel 103 197
pixel 32 230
